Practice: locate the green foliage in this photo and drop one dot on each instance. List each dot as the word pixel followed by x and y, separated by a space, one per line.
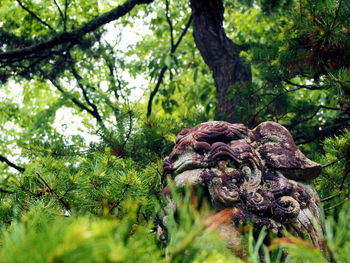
pixel 94 194
pixel 334 180
pixel 39 237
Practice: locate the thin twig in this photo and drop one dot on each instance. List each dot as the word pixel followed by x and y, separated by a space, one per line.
pixel 11 164
pixel 74 35
pixel 86 97
pixel 34 15
pixel 333 162
pixel 163 70
pixel 170 24
pixel 303 120
pixel 343 181
pixel 60 199
pixel 330 108
pixel 65 15
pixel 309 87
pixel 328 198
pixel 335 206
pixel 129 132
pixel 74 100
pixel 6 191
pixel 60 11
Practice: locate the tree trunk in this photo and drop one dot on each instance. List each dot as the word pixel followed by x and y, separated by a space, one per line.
pixel 220 54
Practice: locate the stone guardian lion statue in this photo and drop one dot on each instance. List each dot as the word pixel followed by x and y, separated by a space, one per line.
pixel 259 175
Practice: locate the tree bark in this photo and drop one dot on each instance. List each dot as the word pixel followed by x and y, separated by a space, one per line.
pixel 220 54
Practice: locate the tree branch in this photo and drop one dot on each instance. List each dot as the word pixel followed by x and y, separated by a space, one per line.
pixel 86 97
pixel 129 132
pixel 309 87
pixel 334 161
pixel 273 100
pixel 292 125
pixel 162 71
pixel 74 100
pixel 60 199
pixel 76 34
pixel 34 15
pixel 9 163
pixel 60 11
pixel 65 15
pixel 330 108
pixel 6 191
pixel 170 24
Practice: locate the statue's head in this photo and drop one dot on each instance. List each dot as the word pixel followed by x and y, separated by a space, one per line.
pixel 259 173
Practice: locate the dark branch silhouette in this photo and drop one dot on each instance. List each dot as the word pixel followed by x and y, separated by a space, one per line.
pixel 75 35
pixel 34 15
pixel 11 164
pixel 163 70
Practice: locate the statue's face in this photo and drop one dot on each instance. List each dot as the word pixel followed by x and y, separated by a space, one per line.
pixel 260 173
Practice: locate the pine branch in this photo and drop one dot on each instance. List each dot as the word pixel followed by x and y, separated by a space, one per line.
pixel 334 161
pixel 75 35
pixel 11 164
pixel 343 180
pixel 60 199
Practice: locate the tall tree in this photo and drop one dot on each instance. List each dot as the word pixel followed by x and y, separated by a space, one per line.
pixel 220 54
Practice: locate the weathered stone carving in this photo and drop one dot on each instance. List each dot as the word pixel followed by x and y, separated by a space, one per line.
pixel 259 175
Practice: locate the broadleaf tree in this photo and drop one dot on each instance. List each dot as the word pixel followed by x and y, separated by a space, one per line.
pixel 76 144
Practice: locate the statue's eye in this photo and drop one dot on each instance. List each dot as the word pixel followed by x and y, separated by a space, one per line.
pixel 201 147
pixel 174 158
pixel 200 151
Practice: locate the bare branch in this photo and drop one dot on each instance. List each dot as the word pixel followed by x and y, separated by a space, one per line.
pixel 170 24
pixel 328 198
pixel 76 34
pixel 60 11
pixel 65 15
pixel 11 164
pixel 34 15
pixel 182 34
pixel 129 132
pixel 163 70
pixel 309 87
pixel 86 97
pixel 330 108
pixel 74 100
pixel 6 191
pixel 155 90
pixel 333 162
